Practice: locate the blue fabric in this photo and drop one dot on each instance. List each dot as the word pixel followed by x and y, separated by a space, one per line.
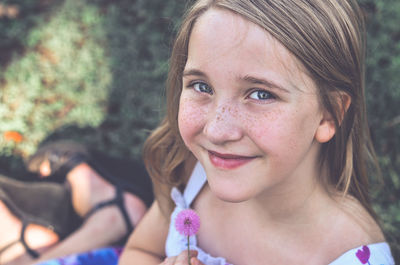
pixel 102 256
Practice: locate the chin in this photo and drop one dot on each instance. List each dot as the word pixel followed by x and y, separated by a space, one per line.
pixel 229 194
pixel 232 198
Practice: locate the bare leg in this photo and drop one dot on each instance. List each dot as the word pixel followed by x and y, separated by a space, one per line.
pixel 89 189
pixel 37 237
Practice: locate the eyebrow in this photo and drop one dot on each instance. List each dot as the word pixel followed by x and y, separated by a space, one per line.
pixel 193 72
pixel 247 78
pixel 265 82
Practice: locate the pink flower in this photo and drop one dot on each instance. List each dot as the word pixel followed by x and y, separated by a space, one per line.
pixel 363 255
pixel 187 222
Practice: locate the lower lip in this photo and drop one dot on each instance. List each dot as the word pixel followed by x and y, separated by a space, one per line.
pixel 230 163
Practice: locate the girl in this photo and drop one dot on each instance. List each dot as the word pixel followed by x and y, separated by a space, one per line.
pixel 266 137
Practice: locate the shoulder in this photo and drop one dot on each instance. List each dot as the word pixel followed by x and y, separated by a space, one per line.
pixel 358 234
pixel 150 233
pixel 358 222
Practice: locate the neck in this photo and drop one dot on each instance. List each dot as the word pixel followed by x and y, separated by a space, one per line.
pixel 293 206
pixel 298 199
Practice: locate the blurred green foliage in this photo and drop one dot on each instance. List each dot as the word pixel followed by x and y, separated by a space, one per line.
pixel 87 70
pixel 383 102
pixel 94 71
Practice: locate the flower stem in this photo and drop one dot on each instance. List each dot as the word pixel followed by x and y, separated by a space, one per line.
pixel 188 242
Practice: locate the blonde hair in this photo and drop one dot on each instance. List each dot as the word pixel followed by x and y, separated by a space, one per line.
pixel 327 37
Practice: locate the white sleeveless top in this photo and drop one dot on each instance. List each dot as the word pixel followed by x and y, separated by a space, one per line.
pixel 373 254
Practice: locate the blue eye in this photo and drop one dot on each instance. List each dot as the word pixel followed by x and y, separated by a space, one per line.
pixel 202 87
pixel 261 95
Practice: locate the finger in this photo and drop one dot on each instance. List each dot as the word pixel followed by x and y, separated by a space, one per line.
pixel 169 261
pixel 183 257
pixel 196 261
pixel 193 253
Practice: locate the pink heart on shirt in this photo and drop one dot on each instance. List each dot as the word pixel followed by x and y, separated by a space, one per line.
pixel 363 255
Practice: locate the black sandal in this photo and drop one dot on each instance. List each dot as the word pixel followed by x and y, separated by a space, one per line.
pixel 44 204
pixel 21 240
pixel 118 201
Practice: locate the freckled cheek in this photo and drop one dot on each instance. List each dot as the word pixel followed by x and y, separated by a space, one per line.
pixel 263 125
pixel 190 119
pixel 272 131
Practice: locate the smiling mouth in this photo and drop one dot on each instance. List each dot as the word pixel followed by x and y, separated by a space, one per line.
pixel 228 161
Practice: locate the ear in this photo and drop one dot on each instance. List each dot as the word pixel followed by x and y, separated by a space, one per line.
pixel 327 129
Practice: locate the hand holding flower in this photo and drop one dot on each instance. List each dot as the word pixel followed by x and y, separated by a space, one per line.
pixel 183 258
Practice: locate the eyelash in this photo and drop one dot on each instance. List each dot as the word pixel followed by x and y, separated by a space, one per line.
pixel 211 92
pixel 193 85
pixel 270 95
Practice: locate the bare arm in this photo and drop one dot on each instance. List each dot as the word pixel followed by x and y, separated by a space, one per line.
pixel 146 246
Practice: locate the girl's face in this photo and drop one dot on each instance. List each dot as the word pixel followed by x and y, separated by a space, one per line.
pixel 247 111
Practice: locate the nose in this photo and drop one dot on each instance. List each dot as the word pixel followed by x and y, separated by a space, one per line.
pixel 223 125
